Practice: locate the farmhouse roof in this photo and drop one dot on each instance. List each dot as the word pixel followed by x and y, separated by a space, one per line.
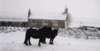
pixel 37 17
pixel 50 17
pixel 10 19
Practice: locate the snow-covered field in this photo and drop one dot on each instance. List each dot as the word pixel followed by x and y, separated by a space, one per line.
pixel 13 41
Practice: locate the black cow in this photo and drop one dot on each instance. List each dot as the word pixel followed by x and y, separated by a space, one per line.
pixel 34 33
pixel 47 32
pixel 41 34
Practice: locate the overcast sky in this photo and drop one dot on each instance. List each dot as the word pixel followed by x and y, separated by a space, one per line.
pixel 85 11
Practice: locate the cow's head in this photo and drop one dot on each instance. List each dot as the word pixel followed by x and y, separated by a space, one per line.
pixel 55 31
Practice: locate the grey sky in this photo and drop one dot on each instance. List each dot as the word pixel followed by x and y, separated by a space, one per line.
pixel 84 11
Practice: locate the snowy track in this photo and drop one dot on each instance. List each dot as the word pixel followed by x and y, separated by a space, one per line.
pixel 13 41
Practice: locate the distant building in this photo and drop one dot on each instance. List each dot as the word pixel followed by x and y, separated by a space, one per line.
pixel 13 22
pixel 44 22
pixel 20 22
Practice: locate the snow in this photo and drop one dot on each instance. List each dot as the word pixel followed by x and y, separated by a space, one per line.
pixel 13 41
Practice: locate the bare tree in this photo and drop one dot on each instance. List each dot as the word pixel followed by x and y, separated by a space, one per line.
pixel 29 14
pixel 68 18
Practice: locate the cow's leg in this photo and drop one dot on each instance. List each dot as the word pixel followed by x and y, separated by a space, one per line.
pixel 39 43
pixel 29 41
pixel 26 40
pixel 43 40
pixel 51 41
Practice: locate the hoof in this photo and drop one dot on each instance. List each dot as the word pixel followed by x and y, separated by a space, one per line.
pixel 26 44
pixel 30 44
pixel 39 45
pixel 51 43
pixel 43 42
